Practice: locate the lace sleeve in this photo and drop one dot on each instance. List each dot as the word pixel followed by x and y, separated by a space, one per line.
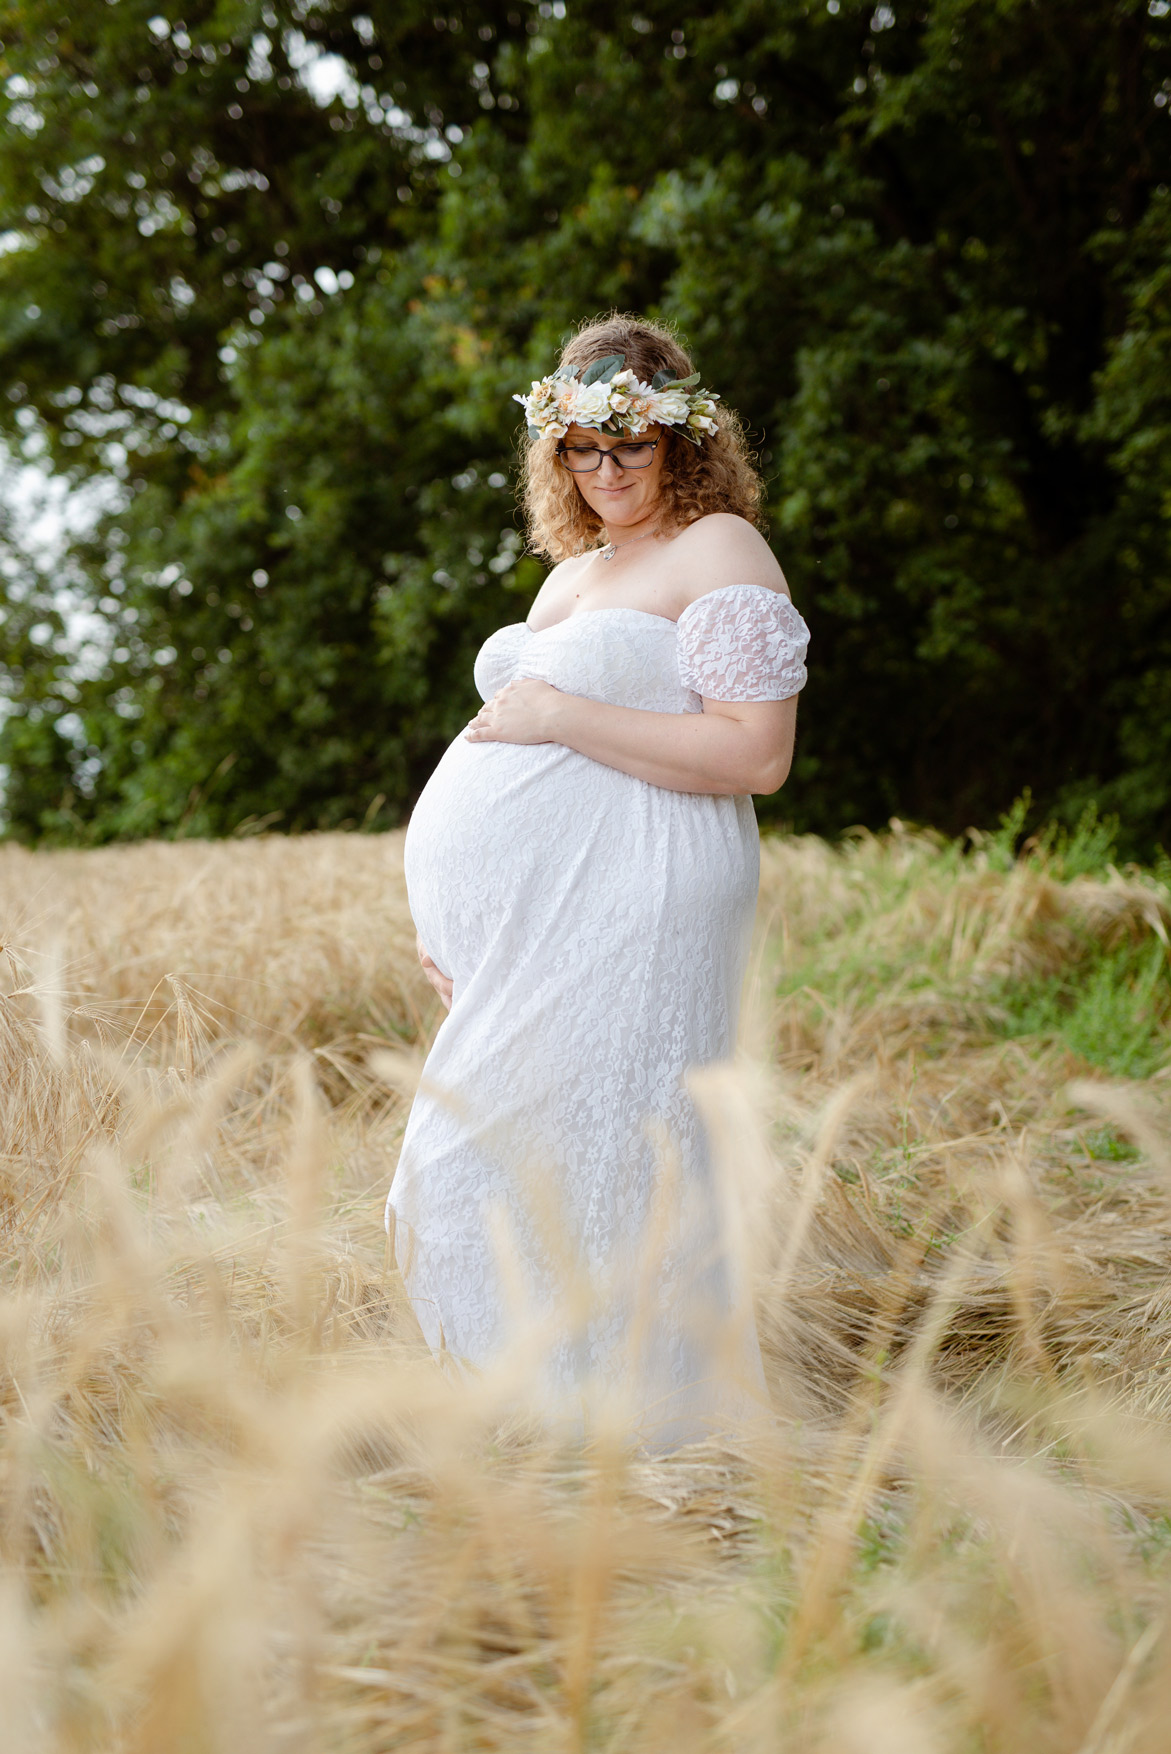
pixel 742 642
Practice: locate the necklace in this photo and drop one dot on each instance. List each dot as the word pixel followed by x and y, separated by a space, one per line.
pixel 611 548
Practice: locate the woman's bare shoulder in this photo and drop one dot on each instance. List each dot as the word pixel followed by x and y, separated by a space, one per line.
pixel 723 549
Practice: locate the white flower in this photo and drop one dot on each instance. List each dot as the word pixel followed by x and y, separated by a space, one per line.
pixel 668 407
pixel 542 412
pixel 591 405
pixel 626 385
pixel 628 397
pixel 703 414
pixel 537 404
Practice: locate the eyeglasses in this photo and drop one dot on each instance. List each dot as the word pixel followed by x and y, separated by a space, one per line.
pixel 584 459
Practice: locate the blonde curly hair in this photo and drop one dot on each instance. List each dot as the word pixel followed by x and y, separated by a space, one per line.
pixel 717 475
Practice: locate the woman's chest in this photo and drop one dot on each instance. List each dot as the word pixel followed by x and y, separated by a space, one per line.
pixel 622 656
pixel 651 584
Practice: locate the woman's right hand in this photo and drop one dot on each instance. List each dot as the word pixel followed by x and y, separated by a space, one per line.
pixel 440 981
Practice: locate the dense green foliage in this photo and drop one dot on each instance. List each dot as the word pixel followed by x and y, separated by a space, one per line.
pixel 926 251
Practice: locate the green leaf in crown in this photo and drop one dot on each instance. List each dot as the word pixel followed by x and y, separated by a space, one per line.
pixel 603 370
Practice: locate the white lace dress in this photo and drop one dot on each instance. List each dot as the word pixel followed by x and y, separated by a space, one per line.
pixel 554 1200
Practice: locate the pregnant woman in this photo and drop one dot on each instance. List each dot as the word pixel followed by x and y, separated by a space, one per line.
pixel 582 869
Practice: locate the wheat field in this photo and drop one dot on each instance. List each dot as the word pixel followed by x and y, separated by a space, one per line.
pixel 241 1509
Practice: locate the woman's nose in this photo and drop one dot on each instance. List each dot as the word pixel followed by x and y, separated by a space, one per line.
pixel 610 470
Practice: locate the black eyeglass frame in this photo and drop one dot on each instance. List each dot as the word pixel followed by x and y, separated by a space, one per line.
pixel 608 451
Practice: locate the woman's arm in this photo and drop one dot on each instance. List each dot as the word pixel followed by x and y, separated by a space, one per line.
pixel 734 747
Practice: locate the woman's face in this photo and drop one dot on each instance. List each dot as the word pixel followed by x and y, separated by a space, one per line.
pixel 619 496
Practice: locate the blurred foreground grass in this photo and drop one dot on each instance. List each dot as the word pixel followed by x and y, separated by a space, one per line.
pixel 241 1510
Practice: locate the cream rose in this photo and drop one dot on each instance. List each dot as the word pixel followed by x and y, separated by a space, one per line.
pixel 668 407
pixel 591 405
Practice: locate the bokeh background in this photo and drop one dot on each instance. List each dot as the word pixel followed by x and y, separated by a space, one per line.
pixel 271 274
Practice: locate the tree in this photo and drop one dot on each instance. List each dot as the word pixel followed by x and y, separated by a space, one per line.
pixel 925 252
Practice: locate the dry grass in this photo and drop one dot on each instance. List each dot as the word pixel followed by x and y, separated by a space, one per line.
pixel 240 1510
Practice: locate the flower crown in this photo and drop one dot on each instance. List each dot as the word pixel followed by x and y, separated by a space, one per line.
pixel 609 398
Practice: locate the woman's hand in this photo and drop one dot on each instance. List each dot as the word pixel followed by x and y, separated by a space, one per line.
pixel 440 981
pixel 522 712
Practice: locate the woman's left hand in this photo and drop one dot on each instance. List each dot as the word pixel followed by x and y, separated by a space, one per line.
pixel 522 712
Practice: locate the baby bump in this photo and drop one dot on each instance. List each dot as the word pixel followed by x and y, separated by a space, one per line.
pixel 537 841
pixel 489 822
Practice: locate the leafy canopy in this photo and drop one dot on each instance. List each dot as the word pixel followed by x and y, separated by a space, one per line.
pixel 279 268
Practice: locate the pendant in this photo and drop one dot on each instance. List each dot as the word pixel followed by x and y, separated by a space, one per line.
pixel 609 551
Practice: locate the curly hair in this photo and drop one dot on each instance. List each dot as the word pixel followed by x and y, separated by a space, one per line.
pixel 717 475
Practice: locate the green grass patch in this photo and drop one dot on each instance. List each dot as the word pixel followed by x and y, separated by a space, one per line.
pixel 1112 1008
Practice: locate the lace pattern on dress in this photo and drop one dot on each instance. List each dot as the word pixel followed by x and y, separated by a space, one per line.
pixel 596 929
pixel 498 658
pixel 743 642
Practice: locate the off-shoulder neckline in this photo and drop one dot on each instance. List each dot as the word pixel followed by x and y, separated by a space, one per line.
pixel 649 614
